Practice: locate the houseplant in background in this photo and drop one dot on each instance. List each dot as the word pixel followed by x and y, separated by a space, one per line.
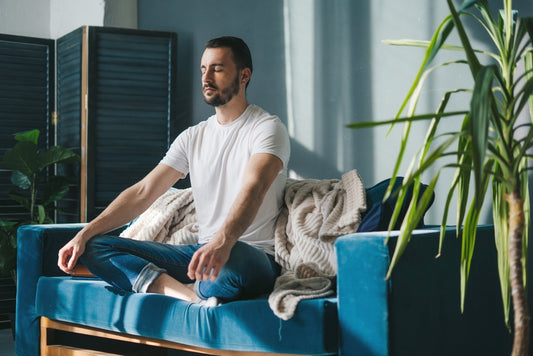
pixel 37 189
pixel 488 146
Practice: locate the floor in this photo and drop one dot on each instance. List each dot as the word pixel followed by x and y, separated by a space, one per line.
pixel 7 345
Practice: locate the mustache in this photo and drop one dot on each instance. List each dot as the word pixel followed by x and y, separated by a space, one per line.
pixel 211 86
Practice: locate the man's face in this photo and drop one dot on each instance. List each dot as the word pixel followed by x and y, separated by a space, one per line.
pixel 220 77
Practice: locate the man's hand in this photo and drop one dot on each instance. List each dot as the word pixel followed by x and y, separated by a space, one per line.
pixel 69 254
pixel 207 262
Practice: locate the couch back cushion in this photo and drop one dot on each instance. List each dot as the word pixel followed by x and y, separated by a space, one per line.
pixel 379 212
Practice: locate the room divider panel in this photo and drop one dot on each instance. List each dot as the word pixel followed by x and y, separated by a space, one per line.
pixel 27 75
pixel 116 108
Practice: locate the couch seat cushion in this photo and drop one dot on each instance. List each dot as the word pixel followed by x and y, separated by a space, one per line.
pixel 242 326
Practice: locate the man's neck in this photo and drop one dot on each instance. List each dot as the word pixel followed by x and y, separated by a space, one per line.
pixel 231 111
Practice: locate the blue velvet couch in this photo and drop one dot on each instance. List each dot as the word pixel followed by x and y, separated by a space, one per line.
pixel 416 312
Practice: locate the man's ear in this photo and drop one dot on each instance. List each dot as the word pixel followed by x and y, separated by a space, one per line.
pixel 246 73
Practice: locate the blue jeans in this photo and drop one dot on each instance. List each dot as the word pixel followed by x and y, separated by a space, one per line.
pixel 133 265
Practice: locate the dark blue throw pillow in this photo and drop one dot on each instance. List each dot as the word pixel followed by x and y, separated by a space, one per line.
pixel 379 213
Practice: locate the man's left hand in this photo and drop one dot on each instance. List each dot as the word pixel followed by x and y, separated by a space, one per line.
pixel 207 262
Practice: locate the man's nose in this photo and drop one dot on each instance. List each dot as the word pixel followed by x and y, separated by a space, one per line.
pixel 208 76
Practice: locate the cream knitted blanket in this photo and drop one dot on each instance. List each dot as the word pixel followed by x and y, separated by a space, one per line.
pixel 315 213
pixel 170 219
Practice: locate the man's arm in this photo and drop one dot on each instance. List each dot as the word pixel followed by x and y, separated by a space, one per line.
pixel 260 172
pixel 128 205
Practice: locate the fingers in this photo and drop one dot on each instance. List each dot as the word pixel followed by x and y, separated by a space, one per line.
pixel 200 266
pixel 72 262
pixel 68 257
pixel 63 260
pixel 204 265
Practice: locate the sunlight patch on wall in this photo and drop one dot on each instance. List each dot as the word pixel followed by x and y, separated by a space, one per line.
pixel 299 19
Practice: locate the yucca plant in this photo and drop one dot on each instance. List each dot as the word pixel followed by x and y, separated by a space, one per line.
pixel 485 147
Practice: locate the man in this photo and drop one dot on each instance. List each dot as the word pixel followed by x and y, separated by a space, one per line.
pixel 237 162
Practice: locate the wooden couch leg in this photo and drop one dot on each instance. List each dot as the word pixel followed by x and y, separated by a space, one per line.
pixel 44 338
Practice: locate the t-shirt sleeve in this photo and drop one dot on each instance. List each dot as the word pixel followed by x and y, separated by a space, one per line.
pixel 271 136
pixel 176 156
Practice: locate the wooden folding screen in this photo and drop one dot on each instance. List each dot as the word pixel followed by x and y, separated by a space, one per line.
pixel 116 107
pixel 26 102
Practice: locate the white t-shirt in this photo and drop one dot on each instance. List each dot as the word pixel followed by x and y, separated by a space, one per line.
pixel 215 157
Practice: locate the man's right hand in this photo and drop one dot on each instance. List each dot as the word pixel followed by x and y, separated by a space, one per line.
pixel 69 254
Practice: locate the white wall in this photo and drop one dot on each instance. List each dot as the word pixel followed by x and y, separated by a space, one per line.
pixel 25 17
pixel 54 18
pixel 68 15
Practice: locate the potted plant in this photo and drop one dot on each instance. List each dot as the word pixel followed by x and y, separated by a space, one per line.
pixel 37 189
pixel 485 146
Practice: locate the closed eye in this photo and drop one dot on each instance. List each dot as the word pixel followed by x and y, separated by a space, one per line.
pixel 215 67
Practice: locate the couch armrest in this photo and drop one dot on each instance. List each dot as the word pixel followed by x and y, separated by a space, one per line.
pixel 419 308
pixel 365 295
pixel 37 248
pixel 363 260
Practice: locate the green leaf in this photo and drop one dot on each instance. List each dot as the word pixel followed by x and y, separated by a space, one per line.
pixel 4 224
pixel 20 180
pixel 28 136
pixel 491 27
pixel 56 154
pixel 419 43
pixel 470 54
pixel 23 157
pixel 414 214
pixel 480 114
pixel 426 44
pixel 464 161
pixel 422 117
pixel 524 190
pixel 528 63
pixel 426 199
pixel 500 213
pixel 470 231
pixel 21 199
pixel 56 188
pixel 444 221
pixel 41 214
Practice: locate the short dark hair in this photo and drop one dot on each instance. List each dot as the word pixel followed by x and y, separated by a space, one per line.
pixel 239 49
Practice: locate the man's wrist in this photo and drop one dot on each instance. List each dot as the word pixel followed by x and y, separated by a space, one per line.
pixel 222 239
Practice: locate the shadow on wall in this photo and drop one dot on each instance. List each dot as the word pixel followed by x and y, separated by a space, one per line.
pixel 308 164
pixel 329 85
pixel 185 79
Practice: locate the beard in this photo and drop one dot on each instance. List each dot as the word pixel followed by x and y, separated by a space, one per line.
pixel 224 95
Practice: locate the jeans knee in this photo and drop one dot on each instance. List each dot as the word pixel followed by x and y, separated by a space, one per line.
pixel 249 272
